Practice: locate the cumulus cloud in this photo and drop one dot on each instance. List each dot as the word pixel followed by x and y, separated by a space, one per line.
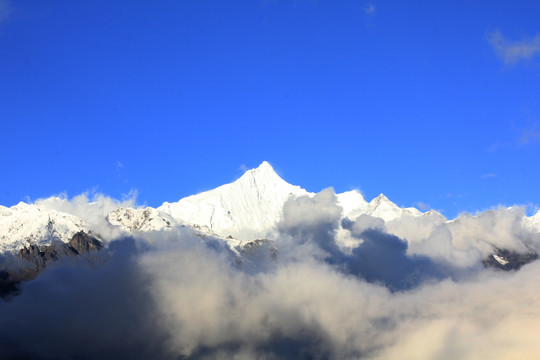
pixel 392 294
pixel 510 52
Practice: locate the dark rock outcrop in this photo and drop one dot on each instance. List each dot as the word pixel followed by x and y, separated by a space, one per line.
pixel 80 243
pixel 30 261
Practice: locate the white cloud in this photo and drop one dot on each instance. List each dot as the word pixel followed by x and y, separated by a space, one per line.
pixel 510 52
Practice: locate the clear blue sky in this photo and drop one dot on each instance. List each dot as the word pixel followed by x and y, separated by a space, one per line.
pixel 426 101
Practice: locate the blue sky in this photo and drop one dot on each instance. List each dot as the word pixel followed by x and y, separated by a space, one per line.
pixel 434 104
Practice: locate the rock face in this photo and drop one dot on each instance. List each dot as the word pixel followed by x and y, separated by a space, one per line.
pixel 34 259
pixel 508 260
pixel 80 243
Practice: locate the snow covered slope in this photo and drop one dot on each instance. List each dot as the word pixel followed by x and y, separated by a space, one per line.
pixel 25 224
pixel 147 219
pixel 247 208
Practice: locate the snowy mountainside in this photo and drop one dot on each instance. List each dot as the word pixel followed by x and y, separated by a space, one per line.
pixel 246 208
pixel 25 224
pixel 147 219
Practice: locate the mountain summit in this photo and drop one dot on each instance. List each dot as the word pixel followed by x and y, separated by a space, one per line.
pixel 248 207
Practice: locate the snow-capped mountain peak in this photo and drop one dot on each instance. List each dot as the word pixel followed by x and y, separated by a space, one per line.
pixel 381 199
pixel 263 178
pixel 246 208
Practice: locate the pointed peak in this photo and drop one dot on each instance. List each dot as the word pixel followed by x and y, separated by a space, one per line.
pixel 266 166
pixel 381 199
pixel 265 170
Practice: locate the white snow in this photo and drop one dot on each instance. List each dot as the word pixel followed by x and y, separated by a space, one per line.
pixel 25 224
pixel 247 208
pixel 147 219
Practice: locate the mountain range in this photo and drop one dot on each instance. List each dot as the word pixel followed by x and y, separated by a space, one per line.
pixel 246 209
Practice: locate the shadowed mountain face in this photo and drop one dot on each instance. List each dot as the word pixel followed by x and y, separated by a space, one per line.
pixel 30 261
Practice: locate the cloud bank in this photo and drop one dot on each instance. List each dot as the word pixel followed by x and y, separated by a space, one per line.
pixel 408 289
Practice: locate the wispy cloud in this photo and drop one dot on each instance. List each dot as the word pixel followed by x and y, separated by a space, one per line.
pixel 489 175
pixel 370 9
pixel 529 136
pixel 423 206
pixel 5 9
pixel 522 137
pixel 510 52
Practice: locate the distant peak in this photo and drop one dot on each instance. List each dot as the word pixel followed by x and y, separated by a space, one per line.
pixel 380 200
